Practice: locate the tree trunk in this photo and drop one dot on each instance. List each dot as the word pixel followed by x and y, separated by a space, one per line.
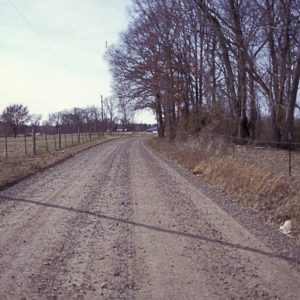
pixel 213 73
pixel 15 130
pixel 241 103
pixel 159 116
pixel 172 122
pixel 253 111
pixel 289 119
pixel 216 26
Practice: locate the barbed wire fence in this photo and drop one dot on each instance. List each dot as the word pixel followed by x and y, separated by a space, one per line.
pixel 44 142
pixel 290 150
pixel 56 140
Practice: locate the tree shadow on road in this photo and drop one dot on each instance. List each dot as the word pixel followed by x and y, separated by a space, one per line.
pixel 219 242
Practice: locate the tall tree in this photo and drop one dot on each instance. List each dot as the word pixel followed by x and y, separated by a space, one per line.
pixel 211 64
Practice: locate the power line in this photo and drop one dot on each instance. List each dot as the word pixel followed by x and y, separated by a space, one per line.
pixel 42 39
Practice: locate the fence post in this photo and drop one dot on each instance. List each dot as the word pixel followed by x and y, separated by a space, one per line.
pixel 59 138
pixel 66 145
pixel 54 142
pixel 46 140
pixel 6 147
pixel 78 136
pixel 25 143
pixel 33 140
pixel 290 155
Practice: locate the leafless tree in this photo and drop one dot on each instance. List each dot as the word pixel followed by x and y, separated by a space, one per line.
pixel 111 108
pixel 211 64
pixel 55 119
pixel 15 116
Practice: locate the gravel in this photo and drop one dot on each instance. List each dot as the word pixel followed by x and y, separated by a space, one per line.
pixel 120 221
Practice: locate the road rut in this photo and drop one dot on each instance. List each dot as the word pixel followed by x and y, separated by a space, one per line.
pixel 120 222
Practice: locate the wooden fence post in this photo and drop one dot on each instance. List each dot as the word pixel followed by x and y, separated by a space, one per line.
pixel 46 140
pixel 25 143
pixel 290 154
pixel 6 147
pixel 66 145
pixel 54 142
pixel 78 136
pixel 33 140
pixel 59 138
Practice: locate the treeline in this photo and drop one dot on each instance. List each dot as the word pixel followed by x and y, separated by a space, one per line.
pixel 226 66
pixel 94 119
pixel 16 119
pixel 89 119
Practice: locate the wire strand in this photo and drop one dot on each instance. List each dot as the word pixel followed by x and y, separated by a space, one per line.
pixel 39 35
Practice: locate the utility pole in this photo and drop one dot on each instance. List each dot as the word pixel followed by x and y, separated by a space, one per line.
pixel 102 108
pixel 102 117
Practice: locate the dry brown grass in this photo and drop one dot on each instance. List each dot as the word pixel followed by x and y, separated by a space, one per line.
pixel 22 145
pixel 15 169
pixel 256 177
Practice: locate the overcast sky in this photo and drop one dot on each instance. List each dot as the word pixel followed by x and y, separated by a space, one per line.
pixel 51 52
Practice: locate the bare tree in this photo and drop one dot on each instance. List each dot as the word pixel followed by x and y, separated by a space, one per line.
pixel 211 64
pixel 15 116
pixel 111 107
pixel 126 112
pixel 35 120
pixel 55 119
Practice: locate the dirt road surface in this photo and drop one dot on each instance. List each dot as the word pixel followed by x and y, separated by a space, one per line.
pixel 120 222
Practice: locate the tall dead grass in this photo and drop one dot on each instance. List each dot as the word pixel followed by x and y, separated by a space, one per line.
pixel 255 177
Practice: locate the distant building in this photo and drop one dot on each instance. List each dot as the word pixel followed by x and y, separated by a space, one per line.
pixel 121 129
pixel 152 130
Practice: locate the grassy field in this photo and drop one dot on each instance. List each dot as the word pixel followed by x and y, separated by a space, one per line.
pixel 21 162
pixel 18 165
pixel 11 147
pixel 256 177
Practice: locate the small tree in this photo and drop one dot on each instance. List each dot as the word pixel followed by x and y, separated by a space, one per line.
pixel 55 119
pixel 35 120
pixel 111 107
pixel 14 116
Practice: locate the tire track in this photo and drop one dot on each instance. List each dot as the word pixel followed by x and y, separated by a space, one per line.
pixel 233 263
pixel 119 222
pixel 62 236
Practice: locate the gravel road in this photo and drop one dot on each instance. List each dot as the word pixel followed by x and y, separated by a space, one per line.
pixel 121 222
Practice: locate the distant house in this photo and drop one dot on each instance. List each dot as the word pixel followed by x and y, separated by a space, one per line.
pixel 152 130
pixel 121 129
